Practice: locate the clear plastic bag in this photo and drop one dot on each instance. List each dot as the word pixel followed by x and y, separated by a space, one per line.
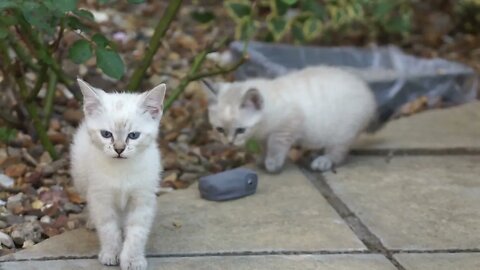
pixel 395 77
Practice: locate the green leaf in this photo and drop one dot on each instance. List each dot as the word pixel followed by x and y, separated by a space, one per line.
pixel 75 24
pixel 202 16
pixel 110 63
pixel 401 25
pixel 83 13
pixel 39 16
pixel 66 5
pixel 297 33
pixel 383 8
pixel 238 10
pixel 278 27
pixel 3 32
pixel 7 134
pixel 290 2
pixel 8 20
pixel 100 40
pixel 314 7
pixel 280 7
pixel 80 51
pixel 245 29
pixel 4 4
pixel 312 28
pixel 136 1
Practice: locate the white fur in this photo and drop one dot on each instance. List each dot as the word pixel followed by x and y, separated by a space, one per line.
pixel 120 192
pixel 317 108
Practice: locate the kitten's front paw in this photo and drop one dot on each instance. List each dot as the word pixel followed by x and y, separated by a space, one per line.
pixel 272 165
pixel 108 257
pixel 133 263
pixel 89 225
pixel 321 163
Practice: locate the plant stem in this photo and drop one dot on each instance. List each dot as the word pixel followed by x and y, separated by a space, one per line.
pixel 37 123
pixel 22 55
pixel 45 56
pixel 52 86
pixel 192 74
pixel 197 63
pixel 160 30
pixel 30 106
pixel 38 84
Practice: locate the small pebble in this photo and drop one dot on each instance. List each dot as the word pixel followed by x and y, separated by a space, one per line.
pixel 71 208
pixel 6 181
pixel 46 220
pixel 28 243
pixel 6 240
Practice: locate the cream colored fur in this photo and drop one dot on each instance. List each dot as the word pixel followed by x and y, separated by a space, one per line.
pixel 119 187
pixel 317 108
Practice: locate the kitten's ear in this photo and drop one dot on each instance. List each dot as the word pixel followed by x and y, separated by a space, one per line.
pixel 153 101
pixel 91 97
pixel 252 99
pixel 211 89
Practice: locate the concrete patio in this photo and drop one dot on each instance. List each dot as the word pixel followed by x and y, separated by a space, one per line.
pixel 409 198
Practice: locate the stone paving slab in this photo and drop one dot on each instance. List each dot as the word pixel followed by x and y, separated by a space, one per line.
pixel 414 202
pixel 453 128
pixel 304 262
pixel 440 261
pixel 286 214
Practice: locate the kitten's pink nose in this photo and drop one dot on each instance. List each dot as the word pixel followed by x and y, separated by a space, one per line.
pixel 119 150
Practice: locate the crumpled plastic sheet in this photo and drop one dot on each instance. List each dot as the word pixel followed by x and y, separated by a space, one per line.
pixel 395 77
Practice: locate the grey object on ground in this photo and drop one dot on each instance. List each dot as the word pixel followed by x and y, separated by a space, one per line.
pixel 395 77
pixel 228 185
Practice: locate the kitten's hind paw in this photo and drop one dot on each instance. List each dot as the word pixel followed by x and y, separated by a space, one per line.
pixel 134 263
pixel 321 163
pixel 108 258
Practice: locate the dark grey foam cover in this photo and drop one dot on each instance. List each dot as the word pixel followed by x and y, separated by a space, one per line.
pixel 228 185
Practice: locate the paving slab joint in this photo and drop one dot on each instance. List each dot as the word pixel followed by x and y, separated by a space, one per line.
pixel 370 240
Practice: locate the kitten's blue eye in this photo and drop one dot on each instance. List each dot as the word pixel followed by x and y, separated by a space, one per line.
pixel 106 134
pixel 133 135
pixel 240 130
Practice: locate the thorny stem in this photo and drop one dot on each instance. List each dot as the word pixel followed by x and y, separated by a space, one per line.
pixel 160 30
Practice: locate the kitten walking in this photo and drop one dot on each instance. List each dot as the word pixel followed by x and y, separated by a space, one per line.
pixel 317 108
pixel 116 165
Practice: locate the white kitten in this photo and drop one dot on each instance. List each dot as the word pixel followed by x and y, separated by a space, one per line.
pixel 317 108
pixel 116 165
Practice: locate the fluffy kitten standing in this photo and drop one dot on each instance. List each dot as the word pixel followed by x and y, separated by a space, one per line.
pixel 116 165
pixel 317 108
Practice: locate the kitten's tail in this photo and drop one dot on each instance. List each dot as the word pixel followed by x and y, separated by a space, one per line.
pixel 382 116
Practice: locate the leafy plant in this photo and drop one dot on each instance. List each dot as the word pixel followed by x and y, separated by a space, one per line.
pixel 306 20
pixel 31 32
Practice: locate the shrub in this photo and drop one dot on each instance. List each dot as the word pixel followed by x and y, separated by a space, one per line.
pixel 306 20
